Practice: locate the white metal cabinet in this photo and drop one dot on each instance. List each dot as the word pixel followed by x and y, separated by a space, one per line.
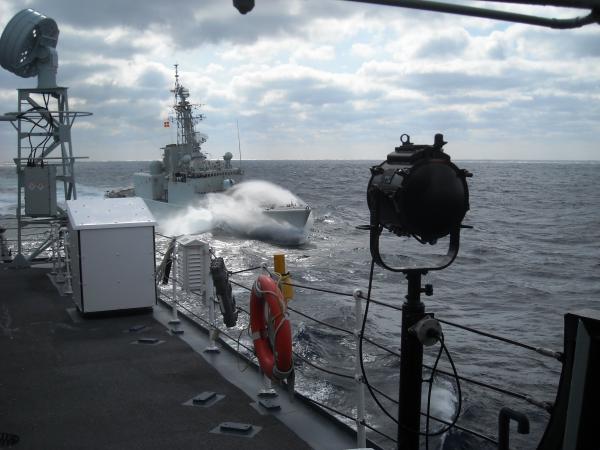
pixel 113 262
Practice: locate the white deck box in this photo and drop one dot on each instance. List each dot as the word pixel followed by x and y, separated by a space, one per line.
pixel 193 265
pixel 112 254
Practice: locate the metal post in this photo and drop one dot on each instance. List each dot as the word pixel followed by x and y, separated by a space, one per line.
pixel 411 370
pixel 174 319
pixel 266 390
pixel 361 432
pixel 19 179
pixel 54 250
pixel 67 289
pixel 213 331
pixel 60 276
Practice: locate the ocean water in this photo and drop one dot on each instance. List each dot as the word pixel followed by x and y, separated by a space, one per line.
pixel 532 256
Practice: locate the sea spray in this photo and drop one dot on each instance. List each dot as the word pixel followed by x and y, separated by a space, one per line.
pixel 240 211
pixel 443 405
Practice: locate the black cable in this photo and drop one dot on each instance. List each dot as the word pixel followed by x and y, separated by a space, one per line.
pixel 50 125
pixel 360 347
pixel 430 388
pixel 240 285
pixel 206 322
pixel 328 291
pixel 382 347
pixel 457 378
pixel 499 338
pixel 343 330
pixel 31 158
pixel 164 236
pixel 322 405
pixel 379 302
pixel 437 419
pixel 244 270
pixel 364 374
pixel 316 366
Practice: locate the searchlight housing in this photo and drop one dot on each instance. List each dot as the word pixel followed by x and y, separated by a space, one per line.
pixel 417 191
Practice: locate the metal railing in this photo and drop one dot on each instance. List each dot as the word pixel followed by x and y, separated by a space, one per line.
pixel 54 241
pixel 359 418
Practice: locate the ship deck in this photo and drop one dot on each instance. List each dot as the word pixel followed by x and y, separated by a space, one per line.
pixel 73 382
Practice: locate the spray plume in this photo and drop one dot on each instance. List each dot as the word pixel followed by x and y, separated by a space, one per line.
pixel 240 211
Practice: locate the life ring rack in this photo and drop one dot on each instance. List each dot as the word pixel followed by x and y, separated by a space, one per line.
pixel 271 330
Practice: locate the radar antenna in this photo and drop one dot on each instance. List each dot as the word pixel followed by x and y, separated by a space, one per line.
pixel 28 47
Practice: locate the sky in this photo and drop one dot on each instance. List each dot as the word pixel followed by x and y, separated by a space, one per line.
pixel 319 79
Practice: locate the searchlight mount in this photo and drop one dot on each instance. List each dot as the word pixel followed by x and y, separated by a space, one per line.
pixel 416 192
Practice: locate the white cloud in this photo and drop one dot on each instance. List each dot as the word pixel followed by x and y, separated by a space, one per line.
pixel 311 78
pixel 363 50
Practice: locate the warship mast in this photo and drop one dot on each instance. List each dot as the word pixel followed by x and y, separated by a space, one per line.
pixel 186 118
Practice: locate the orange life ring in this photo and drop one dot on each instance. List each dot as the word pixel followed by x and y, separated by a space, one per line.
pixel 272 340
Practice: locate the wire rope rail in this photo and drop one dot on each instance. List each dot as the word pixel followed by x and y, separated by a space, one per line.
pixel 437 419
pixel 527 398
pixel 540 350
pixel 361 422
pixel 336 411
pixel 197 316
pixel 334 373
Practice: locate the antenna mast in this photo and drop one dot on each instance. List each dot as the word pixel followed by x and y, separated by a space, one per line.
pixel 239 143
pixel 186 118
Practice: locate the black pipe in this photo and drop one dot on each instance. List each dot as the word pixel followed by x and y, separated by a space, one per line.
pixel 583 4
pixel 504 426
pixel 427 5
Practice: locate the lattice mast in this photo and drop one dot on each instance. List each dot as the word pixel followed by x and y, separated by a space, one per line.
pixel 186 118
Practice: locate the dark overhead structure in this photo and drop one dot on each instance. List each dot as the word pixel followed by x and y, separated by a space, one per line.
pixel 593 6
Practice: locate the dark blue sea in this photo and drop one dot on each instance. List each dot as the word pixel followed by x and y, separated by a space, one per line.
pixel 533 255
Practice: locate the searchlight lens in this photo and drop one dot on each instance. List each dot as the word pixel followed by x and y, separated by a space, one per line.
pixel 418 192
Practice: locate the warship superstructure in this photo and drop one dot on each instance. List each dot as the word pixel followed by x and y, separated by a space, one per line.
pixel 185 173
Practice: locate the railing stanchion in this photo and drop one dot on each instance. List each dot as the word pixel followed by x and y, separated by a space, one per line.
pixel 361 432
pixel 54 246
pixel 67 289
pixel 213 332
pixel 174 319
pixel 267 387
pixel 60 276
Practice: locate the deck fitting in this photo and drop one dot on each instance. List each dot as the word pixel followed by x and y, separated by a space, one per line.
pixel 205 399
pixel 148 341
pixel 269 403
pixel 8 439
pixel 268 393
pixel 236 429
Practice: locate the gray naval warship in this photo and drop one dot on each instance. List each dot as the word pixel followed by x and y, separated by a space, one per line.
pixel 95 356
pixel 185 173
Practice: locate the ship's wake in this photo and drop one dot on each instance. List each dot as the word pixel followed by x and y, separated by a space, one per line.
pixel 241 212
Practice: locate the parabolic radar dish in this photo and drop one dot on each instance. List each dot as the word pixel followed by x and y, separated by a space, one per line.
pixel 28 47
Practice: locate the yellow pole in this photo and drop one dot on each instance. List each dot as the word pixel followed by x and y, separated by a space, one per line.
pixel 279 266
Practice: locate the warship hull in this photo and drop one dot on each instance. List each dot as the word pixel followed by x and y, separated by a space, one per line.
pixel 296 217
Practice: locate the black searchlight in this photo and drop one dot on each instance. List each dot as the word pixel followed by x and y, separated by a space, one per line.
pixel 417 191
